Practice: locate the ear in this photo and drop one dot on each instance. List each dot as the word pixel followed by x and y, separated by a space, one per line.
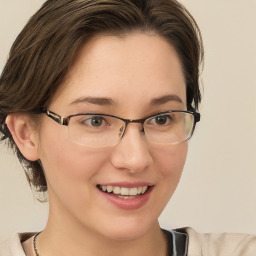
pixel 24 135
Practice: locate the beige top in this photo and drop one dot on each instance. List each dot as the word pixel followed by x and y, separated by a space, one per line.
pixel 13 247
pixel 224 244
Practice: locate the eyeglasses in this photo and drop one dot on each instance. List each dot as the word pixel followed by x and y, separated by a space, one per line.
pixel 102 130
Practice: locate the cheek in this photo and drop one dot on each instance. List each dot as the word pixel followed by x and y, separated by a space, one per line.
pixel 71 172
pixel 70 162
pixel 66 163
pixel 172 159
pixel 170 163
pixel 168 166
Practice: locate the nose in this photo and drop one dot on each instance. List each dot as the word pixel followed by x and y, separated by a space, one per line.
pixel 132 152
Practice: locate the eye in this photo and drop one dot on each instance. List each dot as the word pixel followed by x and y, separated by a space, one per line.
pixel 161 120
pixel 94 121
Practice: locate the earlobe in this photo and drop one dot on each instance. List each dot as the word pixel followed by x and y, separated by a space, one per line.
pixel 23 135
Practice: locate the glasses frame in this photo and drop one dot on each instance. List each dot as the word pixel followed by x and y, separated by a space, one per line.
pixel 65 120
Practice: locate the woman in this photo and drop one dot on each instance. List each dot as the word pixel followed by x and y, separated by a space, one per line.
pixel 98 100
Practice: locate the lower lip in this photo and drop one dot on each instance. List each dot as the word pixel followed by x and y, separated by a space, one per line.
pixel 129 203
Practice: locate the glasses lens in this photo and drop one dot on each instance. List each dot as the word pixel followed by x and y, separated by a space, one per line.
pixel 95 130
pixel 102 130
pixel 169 128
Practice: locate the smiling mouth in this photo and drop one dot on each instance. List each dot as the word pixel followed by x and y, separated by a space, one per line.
pixel 124 192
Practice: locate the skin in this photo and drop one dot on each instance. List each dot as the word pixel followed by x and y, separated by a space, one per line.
pixel 132 71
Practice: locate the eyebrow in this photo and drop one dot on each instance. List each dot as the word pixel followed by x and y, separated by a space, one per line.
pixel 102 101
pixel 95 100
pixel 166 98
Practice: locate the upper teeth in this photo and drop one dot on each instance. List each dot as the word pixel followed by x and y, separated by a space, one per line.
pixel 124 191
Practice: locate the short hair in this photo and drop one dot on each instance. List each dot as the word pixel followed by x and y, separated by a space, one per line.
pixel 45 49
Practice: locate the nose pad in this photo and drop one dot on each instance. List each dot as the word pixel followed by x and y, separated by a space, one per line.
pixel 123 129
pixel 132 152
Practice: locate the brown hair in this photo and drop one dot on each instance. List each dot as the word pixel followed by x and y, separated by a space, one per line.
pixel 45 49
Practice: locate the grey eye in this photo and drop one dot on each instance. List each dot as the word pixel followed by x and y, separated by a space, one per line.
pixel 96 121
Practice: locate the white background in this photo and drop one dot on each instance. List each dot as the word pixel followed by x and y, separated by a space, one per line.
pixel 218 189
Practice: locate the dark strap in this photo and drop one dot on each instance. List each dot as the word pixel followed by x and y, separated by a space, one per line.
pixel 178 242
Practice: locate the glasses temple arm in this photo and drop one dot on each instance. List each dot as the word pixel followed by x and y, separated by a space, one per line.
pixel 55 117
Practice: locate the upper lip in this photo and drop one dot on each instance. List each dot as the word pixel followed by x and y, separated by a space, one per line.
pixel 127 184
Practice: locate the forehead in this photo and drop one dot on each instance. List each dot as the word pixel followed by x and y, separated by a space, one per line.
pixel 133 67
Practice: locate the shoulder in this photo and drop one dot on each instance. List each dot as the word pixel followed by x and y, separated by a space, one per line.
pixel 13 246
pixel 221 244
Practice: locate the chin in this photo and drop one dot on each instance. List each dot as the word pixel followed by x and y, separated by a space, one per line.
pixel 129 229
pixel 125 235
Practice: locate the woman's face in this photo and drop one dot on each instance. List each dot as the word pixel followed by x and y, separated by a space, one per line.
pixel 128 77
